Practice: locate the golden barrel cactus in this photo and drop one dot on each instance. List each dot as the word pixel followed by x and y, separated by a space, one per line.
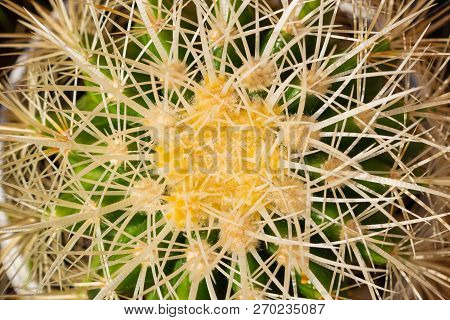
pixel 226 149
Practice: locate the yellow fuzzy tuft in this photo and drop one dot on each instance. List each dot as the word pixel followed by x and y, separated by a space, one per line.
pixel 222 162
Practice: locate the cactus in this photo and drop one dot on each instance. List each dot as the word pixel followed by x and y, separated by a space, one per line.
pixel 225 149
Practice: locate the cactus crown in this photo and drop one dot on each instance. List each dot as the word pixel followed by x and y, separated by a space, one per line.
pixel 225 149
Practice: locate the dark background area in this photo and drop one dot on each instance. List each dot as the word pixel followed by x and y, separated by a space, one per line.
pixel 9 24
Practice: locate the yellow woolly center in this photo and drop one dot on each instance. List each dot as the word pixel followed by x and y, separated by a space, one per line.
pixel 222 162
